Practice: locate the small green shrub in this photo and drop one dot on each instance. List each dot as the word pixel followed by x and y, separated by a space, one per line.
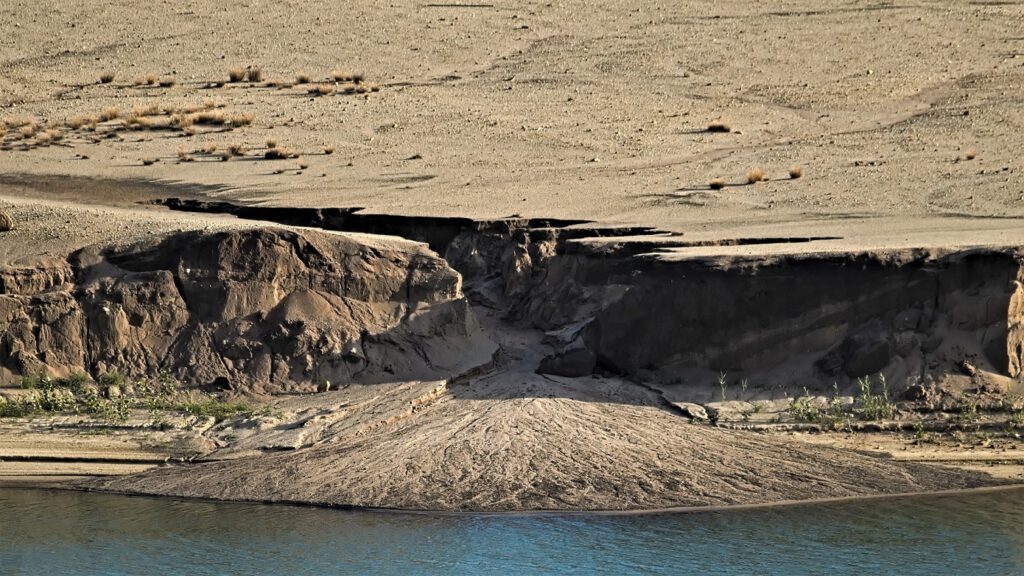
pixel 875 406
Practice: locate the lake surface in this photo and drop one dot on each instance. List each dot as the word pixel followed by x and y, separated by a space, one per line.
pixel 65 533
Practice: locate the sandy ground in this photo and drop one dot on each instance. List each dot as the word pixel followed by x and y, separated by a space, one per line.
pixel 561 110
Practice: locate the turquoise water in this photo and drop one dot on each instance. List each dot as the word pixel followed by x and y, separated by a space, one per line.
pixel 63 533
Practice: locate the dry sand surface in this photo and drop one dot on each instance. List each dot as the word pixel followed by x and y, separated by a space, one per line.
pixel 910 111
pixel 906 122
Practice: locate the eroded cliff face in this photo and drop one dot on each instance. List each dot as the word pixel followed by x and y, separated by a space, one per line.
pixel 262 310
pixel 811 320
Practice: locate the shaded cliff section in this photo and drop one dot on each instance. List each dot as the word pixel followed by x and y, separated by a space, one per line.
pixel 917 317
pixel 620 301
pixel 278 310
pixel 264 310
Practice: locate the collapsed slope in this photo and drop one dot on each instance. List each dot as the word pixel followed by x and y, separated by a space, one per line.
pixel 520 442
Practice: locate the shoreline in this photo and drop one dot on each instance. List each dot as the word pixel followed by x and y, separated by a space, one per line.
pixel 1007 487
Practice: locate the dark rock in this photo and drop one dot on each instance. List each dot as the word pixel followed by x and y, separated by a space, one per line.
pixel 571 363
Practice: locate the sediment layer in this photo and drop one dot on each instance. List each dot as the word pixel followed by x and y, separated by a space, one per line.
pixel 258 310
pixel 593 345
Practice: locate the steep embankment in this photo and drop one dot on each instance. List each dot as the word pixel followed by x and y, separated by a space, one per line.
pixel 258 310
pixel 586 331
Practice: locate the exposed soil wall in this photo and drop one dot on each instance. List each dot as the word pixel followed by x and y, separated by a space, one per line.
pixel 264 310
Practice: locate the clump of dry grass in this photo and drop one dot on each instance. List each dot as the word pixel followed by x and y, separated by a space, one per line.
pixel 795 172
pixel 241 119
pixel 237 149
pixel 303 165
pixel 716 183
pixel 27 131
pixel 755 175
pixel 147 110
pixel 6 222
pixel 341 75
pixel 18 121
pixel 110 113
pixel 303 78
pixel 279 154
pixel 719 126
pixel 225 156
pixel 279 83
pixel 254 74
pixel 151 79
pixel 971 155
pixel 167 82
pixel 321 90
pixel 271 143
pixel 328 150
pixel 77 122
pixel 151 123
pixel 149 161
pixel 236 74
pixel 184 156
pixel 209 148
pixel 46 137
pixel 106 77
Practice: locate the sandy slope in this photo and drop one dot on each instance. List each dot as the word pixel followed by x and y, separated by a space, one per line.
pixel 524 442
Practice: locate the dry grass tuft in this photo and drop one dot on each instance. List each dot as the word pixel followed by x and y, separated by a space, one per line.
pixel 755 175
pixel 254 75
pixel 236 74
pixel 106 77
pixel 18 121
pixel 279 154
pixel 716 183
pixel 110 113
pixel 147 110
pixel 328 150
pixel 225 156
pixel 6 222
pixel 149 161
pixel 342 75
pixel 303 165
pixel 209 148
pixel 241 119
pixel 971 155
pixel 321 90
pixel 167 82
pixel 271 143
pixel 795 172
pixel 151 79
pixel 46 137
pixel 27 131
pixel 152 123
pixel 236 149
pixel 719 127
pixel 303 78
pixel 76 122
